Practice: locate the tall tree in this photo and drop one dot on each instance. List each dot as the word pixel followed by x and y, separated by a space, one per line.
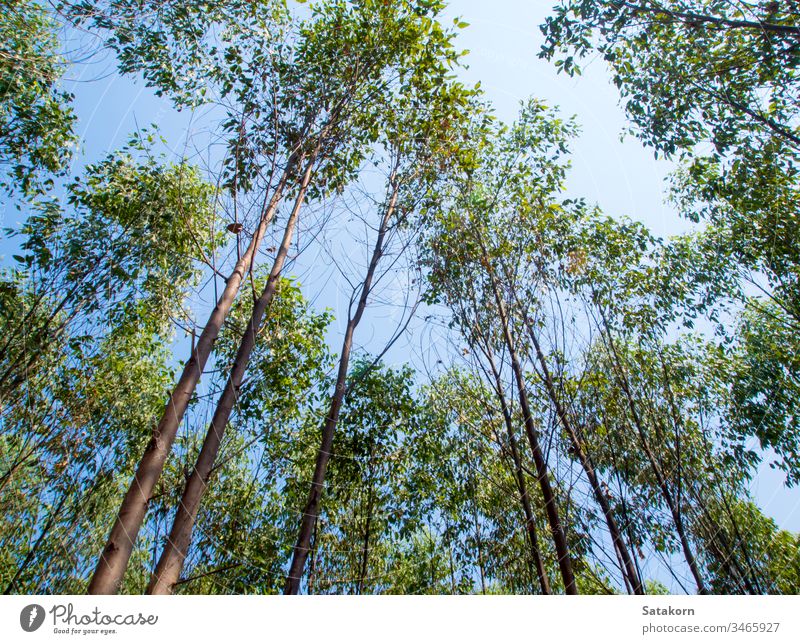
pixel 467 270
pixel 315 120
pixel 422 122
pixel 333 29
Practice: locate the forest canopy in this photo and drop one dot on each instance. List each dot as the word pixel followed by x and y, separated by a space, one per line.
pixel 592 404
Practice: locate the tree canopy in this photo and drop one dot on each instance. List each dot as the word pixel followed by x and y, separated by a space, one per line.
pixel 518 393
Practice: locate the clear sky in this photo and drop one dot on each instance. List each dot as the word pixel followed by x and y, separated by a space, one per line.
pixel 622 177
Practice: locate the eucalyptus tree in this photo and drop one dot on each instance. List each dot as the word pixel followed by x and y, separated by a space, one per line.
pixel 621 285
pixel 309 98
pixel 211 46
pixel 463 501
pixel 93 418
pixel 714 84
pixel 467 495
pixel 760 375
pixel 422 125
pixel 691 71
pixel 368 511
pixel 517 464
pixel 690 393
pixel 461 271
pixel 724 100
pixel 745 550
pixel 111 250
pixel 234 78
pixel 511 210
pixel 479 494
pixel 673 402
pixel 242 533
pixel 681 463
pixel 182 49
pixel 657 435
pixel 123 250
pixel 169 567
pixel 347 90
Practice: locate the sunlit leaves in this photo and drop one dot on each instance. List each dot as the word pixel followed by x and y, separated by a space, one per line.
pixel 36 118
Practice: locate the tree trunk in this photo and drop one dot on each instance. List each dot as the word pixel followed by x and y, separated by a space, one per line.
pixel 311 509
pixel 312 567
pixel 660 479
pixel 522 486
pixel 114 559
pixel 550 502
pixel 628 569
pixel 170 564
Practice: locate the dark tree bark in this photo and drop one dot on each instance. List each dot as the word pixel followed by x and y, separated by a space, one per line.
pixel 522 486
pixel 542 475
pixel 628 568
pixel 661 480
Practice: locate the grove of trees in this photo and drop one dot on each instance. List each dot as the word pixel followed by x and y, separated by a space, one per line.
pixel 594 403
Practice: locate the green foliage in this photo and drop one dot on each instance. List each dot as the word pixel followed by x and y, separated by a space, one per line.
pixel 135 225
pixel 654 587
pixel 122 255
pixel 749 553
pixel 765 384
pixel 85 353
pixel 244 528
pixel 180 47
pixel 36 119
pixel 715 83
pixel 367 510
pixel 290 357
pixel 690 72
pixel 751 206
pixel 424 488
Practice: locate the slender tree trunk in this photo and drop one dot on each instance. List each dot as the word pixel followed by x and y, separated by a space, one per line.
pixel 550 502
pixel 628 569
pixel 725 550
pixel 530 519
pixel 522 486
pixel 170 564
pixel 727 561
pixel 311 509
pixel 656 468
pixel 117 551
pixel 749 576
pixel 312 566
